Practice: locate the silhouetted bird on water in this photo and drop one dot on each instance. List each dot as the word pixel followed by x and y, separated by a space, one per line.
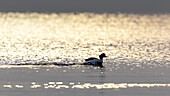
pixel 90 61
pixel 95 61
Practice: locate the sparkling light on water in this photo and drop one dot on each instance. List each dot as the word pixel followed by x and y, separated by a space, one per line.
pixel 87 85
pixel 129 39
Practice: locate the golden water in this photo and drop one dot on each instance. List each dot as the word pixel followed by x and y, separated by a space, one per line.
pixel 130 39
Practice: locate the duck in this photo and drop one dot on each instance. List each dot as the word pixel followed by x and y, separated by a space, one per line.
pixel 95 61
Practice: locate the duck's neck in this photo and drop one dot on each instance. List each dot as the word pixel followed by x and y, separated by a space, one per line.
pixel 101 58
pixel 101 61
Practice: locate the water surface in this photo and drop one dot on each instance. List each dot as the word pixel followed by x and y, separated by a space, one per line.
pixel 137 47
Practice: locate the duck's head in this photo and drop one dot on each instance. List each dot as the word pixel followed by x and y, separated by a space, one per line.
pixel 102 55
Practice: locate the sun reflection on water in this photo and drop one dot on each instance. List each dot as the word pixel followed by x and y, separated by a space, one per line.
pixel 60 85
pixel 66 37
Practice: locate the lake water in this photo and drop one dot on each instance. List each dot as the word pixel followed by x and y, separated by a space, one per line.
pixel 138 49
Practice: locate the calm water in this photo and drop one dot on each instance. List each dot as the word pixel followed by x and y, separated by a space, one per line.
pixel 137 47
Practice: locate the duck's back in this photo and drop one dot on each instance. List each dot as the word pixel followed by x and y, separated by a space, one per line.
pixel 91 58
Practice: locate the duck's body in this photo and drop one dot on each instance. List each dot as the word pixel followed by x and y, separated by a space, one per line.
pixel 95 61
